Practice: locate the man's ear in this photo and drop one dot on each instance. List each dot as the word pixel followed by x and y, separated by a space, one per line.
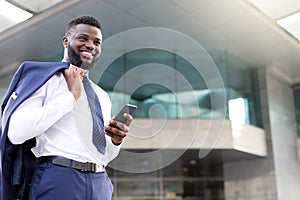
pixel 65 41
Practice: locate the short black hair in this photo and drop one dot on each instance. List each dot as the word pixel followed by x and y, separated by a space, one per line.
pixel 83 20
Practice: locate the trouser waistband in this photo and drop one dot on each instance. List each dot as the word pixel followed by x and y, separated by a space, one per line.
pixel 65 162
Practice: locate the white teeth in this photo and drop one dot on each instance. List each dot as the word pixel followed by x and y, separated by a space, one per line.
pixel 86 54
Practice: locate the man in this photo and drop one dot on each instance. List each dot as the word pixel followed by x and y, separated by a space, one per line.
pixel 60 116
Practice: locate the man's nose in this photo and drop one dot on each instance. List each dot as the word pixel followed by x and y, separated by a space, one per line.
pixel 90 44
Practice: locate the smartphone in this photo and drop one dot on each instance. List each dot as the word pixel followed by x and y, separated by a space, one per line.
pixel 127 108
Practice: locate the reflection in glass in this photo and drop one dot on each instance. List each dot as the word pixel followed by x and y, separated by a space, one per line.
pixel 165 85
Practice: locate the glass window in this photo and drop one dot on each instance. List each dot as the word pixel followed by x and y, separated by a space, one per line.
pixel 237 110
pixel 165 85
pixel 186 178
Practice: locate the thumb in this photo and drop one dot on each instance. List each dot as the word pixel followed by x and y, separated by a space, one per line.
pixel 66 73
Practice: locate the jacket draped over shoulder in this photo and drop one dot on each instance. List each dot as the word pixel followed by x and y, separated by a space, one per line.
pixel 17 161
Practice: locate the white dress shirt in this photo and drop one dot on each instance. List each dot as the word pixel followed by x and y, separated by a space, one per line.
pixel 61 125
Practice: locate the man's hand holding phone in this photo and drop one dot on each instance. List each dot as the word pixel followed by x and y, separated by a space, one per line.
pixel 119 125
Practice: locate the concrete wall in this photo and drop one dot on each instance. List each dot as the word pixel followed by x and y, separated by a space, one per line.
pixel 283 133
pixel 276 177
pixel 196 134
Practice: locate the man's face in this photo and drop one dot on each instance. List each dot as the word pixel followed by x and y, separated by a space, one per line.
pixel 84 46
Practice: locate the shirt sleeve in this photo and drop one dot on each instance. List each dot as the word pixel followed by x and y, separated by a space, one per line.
pixel 112 150
pixel 37 113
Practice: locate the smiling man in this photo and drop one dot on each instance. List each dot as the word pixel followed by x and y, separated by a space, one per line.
pixel 83 44
pixel 67 107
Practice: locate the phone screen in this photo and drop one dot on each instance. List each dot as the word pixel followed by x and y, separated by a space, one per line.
pixel 128 108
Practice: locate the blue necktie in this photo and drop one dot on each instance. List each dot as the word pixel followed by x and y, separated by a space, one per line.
pixel 98 124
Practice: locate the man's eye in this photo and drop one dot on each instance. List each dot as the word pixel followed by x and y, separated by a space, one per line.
pixel 97 43
pixel 82 39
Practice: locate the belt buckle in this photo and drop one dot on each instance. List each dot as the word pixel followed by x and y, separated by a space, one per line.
pixel 89 167
pixel 93 167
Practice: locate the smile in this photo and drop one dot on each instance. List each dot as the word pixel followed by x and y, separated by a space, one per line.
pixel 87 55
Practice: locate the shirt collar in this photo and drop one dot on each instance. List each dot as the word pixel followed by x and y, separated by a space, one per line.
pixel 86 72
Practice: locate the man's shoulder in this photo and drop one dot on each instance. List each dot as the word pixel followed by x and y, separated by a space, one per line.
pixel 38 65
pixel 40 70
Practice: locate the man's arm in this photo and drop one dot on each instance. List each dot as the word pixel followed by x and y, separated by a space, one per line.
pixel 34 116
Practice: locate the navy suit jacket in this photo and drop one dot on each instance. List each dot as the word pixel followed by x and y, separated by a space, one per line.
pixel 17 161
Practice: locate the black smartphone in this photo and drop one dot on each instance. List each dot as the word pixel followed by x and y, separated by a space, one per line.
pixel 127 108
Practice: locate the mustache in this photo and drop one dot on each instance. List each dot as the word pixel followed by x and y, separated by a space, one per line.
pixel 87 50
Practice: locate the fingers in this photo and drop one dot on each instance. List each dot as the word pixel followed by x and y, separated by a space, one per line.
pixel 129 119
pixel 76 71
pixel 117 130
pixel 117 127
pixel 117 139
pixel 116 134
pixel 66 73
pixel 81 74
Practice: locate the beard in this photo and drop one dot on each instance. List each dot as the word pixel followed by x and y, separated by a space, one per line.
pixel 74 58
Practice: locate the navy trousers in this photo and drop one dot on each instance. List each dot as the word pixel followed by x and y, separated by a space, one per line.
pixel 51 182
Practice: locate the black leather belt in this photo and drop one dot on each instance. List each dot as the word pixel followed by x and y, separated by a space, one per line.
pixel 62 161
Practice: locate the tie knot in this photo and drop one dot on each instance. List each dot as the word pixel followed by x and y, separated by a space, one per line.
pixel 85 78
